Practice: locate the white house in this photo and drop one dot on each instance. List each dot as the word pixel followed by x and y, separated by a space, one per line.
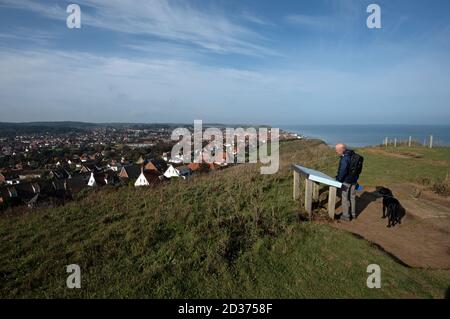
pixel 99 179
pixel 181 171
pixel 148 178
pixel 171 172
pixel 92 182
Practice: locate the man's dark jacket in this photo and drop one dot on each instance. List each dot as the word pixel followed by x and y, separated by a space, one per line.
pixel 343 174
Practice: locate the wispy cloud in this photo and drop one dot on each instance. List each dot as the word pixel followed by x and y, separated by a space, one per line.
pixel 91 87
pixel 310 21
pixel 29 36
pixel 83 86
pixel 253 18
pixel 165 19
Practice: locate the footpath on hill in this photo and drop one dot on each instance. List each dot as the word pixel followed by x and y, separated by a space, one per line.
pixel 422 240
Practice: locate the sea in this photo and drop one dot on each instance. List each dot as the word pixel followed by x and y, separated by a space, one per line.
pixel 368 135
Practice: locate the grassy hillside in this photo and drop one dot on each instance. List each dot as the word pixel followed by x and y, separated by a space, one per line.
pixel 404 164
pixel 234 233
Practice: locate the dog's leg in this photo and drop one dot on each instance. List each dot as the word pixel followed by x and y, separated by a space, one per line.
pixel 389 216
pixel 384 211
pixel 399 215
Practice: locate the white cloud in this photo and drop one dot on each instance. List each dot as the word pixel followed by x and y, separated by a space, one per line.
pixel 59 85
pixel 253 18
pixel 165 19
pixel 320 22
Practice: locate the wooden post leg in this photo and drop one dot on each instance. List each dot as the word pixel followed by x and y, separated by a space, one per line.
pixel 296 186
pixel 308 196
pixel 332 202
pixel 316 187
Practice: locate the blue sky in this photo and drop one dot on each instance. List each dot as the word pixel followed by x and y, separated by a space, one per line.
pixel 229 61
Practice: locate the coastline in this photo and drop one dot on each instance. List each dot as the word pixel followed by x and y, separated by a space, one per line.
pixel 358 135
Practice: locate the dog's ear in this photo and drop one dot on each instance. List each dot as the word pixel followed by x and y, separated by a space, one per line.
pixel 384 191
pixel 379 188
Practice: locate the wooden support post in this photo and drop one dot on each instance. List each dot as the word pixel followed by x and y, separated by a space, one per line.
pixel 332 202
pixel 409 142
pixel 395 142
pixel 308 196
pixel 431 141
pixel 296 185
pixel 316 187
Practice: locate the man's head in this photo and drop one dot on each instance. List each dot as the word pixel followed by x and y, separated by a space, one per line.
pixel 341 148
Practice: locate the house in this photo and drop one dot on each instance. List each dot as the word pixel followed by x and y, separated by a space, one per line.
pixel 148 178
pixel 102 179
pixel 77 183
pixel 140 160
pixel 92 181
pixel 130 171
pixel 27 191
pixel 155 165
pixel 58 185
pixel 202 167
pixel 31 175
pixel 60 173
pixel 48 191
pixel 7 193
pixel 181 171
pixel 89 167
pixel 33 201
pixel 11 177
pixel 84 158
pixel 171 172
pixel 114 166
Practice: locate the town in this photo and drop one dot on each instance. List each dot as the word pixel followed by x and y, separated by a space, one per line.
pixel 48 164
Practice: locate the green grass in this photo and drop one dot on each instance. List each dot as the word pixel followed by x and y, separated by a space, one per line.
pixel 429 166
pixel 234 233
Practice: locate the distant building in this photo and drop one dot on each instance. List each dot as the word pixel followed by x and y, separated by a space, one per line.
pixel 156 165
pixel 148 178
pixel 181 171
pixel 102 179
pixel 130 171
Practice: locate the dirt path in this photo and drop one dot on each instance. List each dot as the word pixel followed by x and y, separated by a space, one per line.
pixel 422 240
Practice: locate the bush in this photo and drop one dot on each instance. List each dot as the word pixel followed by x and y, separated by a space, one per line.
pixel 442 188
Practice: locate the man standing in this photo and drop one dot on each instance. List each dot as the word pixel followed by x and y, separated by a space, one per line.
pixel 349 169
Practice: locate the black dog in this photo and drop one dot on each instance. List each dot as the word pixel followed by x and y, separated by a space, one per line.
pixel 391 207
